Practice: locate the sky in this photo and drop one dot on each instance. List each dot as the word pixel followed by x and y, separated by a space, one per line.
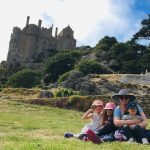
pixel 90 20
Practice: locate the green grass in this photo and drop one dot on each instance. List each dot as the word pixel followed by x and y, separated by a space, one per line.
pixel 33 127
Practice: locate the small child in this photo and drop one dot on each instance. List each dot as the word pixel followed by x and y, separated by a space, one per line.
pixel 107 114
pixel 94 113
pixel 107 124
pixel 133 114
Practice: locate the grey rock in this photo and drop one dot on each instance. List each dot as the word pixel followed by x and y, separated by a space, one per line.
pixel 46 94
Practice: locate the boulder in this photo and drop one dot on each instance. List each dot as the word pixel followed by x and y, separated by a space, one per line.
pixel 46 94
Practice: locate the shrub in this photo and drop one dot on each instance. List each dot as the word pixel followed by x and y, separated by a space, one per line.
pixel 64 92
pixel 81 103
pixel 106 43
pixel 25 79
pixel 57 66
pixel 63 77
pixel 91 66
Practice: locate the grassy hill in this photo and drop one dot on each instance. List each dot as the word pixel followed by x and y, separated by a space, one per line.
pixel 33 127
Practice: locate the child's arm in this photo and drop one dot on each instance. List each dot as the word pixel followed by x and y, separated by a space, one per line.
pixel 88 114
pixel 102 121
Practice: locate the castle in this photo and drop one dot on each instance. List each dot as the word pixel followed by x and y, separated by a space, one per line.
pixel 27 47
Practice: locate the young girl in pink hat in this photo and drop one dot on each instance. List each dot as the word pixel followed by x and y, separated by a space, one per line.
pixel 107 124
pixel 94 113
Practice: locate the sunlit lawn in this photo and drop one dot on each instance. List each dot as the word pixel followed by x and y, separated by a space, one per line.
pixel 33 127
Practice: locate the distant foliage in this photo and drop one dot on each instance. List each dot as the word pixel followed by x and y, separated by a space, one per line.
pixel 143 33
pixel 64 92
pixel 58 65
pixel 25 79
pixel 106 43
pixel 91 66
pixel 3 75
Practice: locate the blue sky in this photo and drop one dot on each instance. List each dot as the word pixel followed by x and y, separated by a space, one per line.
pixel 91 20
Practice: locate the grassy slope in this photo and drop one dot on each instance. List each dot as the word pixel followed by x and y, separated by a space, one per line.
pixel 31 127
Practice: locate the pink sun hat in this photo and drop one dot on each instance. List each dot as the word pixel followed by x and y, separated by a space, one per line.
pixel 110 105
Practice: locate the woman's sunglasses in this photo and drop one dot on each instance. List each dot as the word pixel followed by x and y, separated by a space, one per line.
pixel 124 97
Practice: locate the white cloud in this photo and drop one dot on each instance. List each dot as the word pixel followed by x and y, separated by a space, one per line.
pixel 90 19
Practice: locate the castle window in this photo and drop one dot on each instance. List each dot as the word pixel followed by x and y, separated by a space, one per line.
pixel 44 42
pixel 68 36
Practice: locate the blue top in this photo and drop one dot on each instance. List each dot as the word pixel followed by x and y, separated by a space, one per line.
pixel 118 113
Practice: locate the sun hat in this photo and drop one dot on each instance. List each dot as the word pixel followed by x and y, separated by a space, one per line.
pixel 131 105
pixel 123 92
pixel 110 105
pixel 98 103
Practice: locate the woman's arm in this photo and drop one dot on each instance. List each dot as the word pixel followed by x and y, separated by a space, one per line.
pixel 144 123
pixel 88 114
pixel 119 123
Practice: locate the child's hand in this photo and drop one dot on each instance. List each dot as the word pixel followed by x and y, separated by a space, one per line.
pixel 90 110
pixel 107 122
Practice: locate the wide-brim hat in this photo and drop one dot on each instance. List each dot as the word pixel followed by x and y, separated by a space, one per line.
pixel 123 92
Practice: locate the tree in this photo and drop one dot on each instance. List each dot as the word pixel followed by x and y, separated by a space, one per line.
pixel 25 79
pixel 144 32
pixel 58 65
pixel 132 66
pixel 106 43
pixel 91 66
pixel 117 51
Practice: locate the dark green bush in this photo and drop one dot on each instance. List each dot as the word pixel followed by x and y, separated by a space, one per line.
pixel 25 79
pixel 57 66
pixel 91 66
pixel 106 43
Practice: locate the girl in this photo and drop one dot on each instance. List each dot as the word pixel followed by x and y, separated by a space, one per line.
pixel 94 113
pixel 106 123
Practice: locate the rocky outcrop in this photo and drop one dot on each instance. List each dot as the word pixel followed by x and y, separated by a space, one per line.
pixel 45 94
pixel 77 82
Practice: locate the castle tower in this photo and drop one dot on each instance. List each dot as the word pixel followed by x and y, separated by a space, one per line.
pixel 27 22
pixel 56 31
pixel 51 30
pixel 13 46
pixel 40 23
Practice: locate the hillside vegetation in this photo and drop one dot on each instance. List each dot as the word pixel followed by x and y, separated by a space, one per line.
pixel 106 57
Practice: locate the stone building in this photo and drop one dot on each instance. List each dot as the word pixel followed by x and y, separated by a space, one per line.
pixel 29 46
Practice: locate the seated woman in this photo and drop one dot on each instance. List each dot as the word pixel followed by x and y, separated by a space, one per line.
pixel 123 98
